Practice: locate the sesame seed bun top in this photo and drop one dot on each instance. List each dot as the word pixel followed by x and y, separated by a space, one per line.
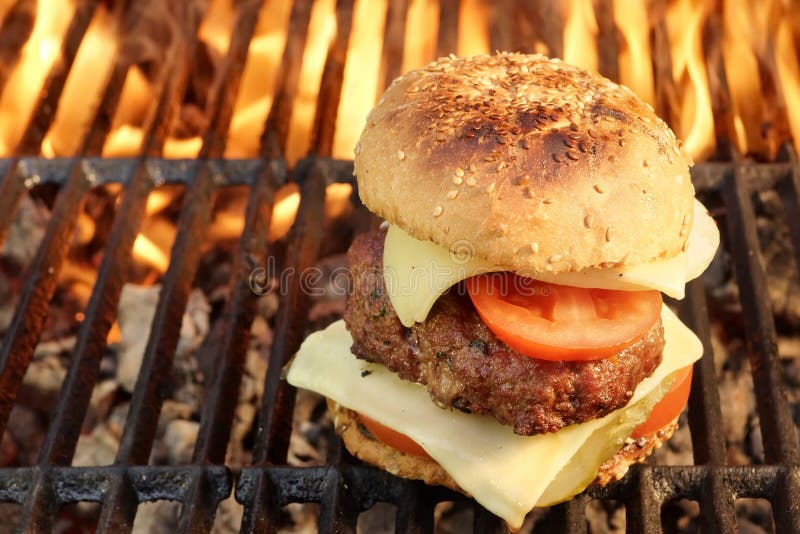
pixel 535 163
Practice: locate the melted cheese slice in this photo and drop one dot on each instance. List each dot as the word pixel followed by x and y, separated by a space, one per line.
pixel 417 272
pixel 507 473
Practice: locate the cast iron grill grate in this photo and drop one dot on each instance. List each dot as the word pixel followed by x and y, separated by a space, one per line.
pixel 344 488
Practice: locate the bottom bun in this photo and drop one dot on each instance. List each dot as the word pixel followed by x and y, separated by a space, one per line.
pixel 365 447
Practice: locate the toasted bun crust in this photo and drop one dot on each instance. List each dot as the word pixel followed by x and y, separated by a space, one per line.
pixel 531 162
pixel 362 445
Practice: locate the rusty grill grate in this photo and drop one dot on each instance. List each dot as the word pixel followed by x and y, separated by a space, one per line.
pixel 344 488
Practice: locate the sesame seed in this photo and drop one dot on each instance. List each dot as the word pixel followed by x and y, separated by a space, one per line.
pixel 554 258
pixel 599 188
pixel 587 221
pixel 457 180
pixel 459 172
pixel 437 211
pixel 401 155
pixel 472 168
pixel 500 166
pixel 609 233
pixel 471 181
pixel 527 192
pixel 453 193
pixel 571 154
pixel 535 247
pixel 558 158
pixel 547 201
pixel 490 188
pixel 685 219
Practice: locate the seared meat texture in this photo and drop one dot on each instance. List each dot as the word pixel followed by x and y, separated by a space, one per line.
pixel 463 365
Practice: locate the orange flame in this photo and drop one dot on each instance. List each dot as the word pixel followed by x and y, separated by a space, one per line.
pixel 759 38
pixel 287 200
pixel 258 82
pixel 361 91
pixel 38 56
pixel 789 71
pixel 83 88
pixel 635 67
pixel 422 28
pixel 321 30
pixel 473 31
pixel 685 20
pixel 580 35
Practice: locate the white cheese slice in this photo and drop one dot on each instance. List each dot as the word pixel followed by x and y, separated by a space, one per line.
pixel 507 473
pixel 417 272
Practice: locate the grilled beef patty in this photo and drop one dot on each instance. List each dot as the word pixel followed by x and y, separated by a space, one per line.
pixel 464 366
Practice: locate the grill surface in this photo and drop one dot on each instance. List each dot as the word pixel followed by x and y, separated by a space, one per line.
pixel 344 487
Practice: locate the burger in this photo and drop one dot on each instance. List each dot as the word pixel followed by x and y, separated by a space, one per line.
pixel 505 333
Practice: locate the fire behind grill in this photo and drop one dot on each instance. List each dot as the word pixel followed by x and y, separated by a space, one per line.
pixel 344 488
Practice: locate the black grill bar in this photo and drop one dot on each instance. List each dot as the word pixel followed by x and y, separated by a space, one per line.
pixel 275 415
pixel 775 418
pixel 393 40
pixel 26 326
pixel 40 508
pixel 212 439
pixel 231 342
pixel 705 418
pixel 139 432
pixel 447 40
pixel 414 511
pixel 789 187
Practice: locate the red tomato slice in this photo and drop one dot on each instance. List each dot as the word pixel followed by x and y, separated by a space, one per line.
pixel 393 438
pixel 554 322
pixel 670 406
